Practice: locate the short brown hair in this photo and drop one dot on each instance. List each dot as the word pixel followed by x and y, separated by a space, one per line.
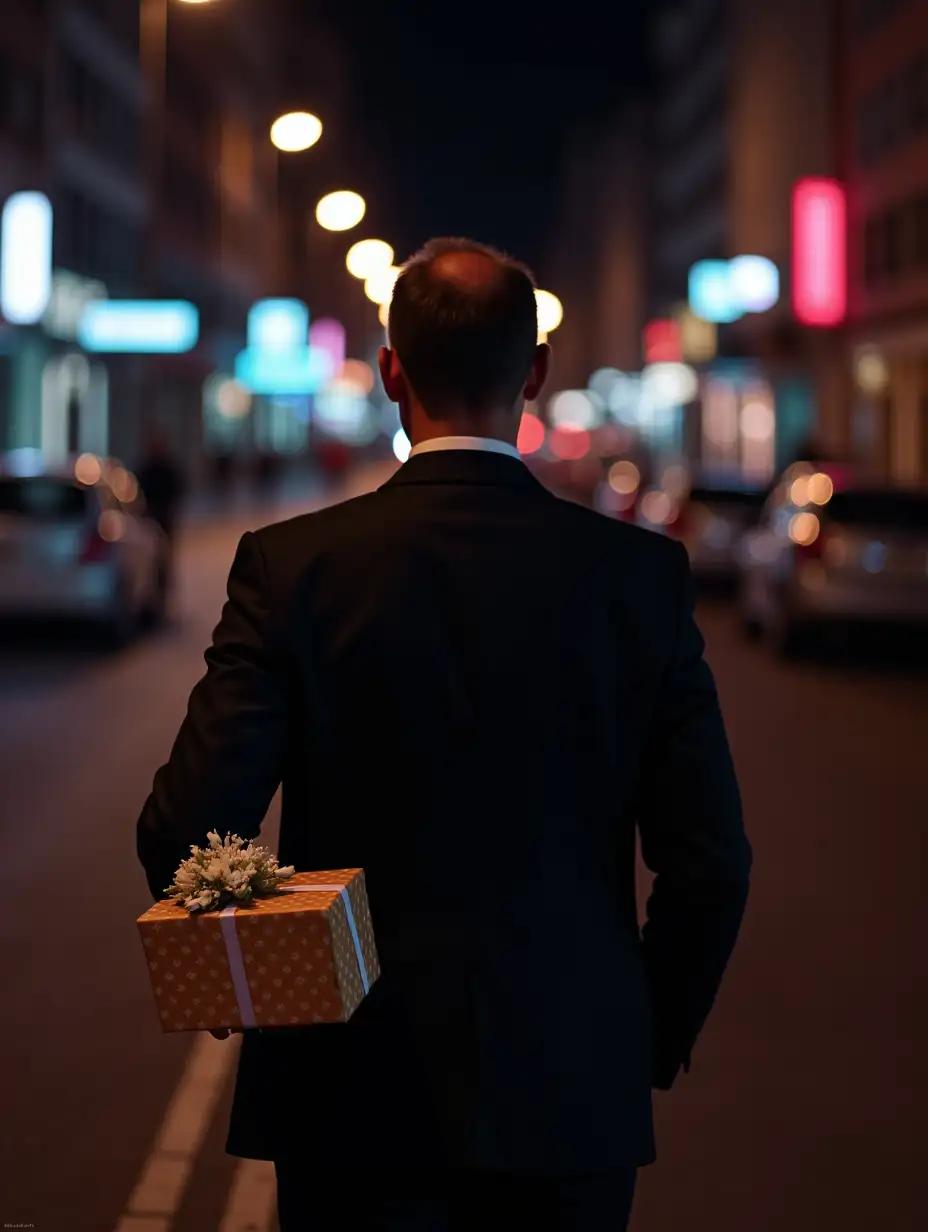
pixel 470 345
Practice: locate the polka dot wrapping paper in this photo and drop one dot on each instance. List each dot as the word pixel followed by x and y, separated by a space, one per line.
pixel 295 953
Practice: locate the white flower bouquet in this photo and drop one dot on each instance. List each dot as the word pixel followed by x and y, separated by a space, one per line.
pixel 227 872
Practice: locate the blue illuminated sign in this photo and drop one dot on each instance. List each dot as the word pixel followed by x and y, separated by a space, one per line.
pixel 280 325
pixel 711 293
pixel 26 257
pixel 278 359
pixel 139 327
pixel 724 291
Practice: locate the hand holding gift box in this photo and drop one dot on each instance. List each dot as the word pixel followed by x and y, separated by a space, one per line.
pixel 243 943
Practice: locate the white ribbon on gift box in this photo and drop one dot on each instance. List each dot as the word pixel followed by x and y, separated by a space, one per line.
pixel 233 946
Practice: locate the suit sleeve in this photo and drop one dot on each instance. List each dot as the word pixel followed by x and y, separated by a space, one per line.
pixel 693 840
pixel 225 765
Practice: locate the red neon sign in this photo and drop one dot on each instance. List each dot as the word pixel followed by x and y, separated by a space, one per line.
pixel 663 343
pixel 819 252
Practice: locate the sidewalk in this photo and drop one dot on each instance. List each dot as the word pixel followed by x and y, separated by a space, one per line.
pixel 293 494
pixel 278 500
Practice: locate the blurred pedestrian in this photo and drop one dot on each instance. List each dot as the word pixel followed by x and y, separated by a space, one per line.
pixel 161 482
pixel 475 691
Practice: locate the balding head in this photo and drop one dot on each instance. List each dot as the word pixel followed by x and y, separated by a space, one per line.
pixel 464 327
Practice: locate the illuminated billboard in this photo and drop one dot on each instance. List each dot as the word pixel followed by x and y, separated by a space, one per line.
pixel 26 258
pixel 279 359
pixel 139 327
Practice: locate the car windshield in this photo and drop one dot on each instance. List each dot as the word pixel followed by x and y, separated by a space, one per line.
pixel 44 498
pixel 896 510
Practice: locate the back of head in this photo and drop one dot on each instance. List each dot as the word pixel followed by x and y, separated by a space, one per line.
pixel 464 326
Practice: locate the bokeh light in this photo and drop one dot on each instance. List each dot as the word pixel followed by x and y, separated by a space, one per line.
pixel 755 283
pixel 359 374
pixel 624 477
pixel 675 481
pixel 111 526
pixel 550 311
pixel 871 371
pixel 804 529
pixel 819 274
pixel 799 491
pixel 820 489
pixel 233 400
pixel 531 434
pixel 574 408
pixel 124 484
pixel 569 444
pixel 328 336
pixel 657 508
pixel 367 257
pixel 665 386
pixel 340 211
pixel 401 446
pixel 296 131
pixel 758 421
pixel 379 287
pixel 88 469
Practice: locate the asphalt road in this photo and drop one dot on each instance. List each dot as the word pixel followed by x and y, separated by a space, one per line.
pixel 805 1108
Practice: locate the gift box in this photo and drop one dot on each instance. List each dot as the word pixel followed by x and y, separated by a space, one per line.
pixel 302 956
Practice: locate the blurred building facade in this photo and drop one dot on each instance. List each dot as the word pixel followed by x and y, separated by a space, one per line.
pixel 884 137
pixel 747 105
pixel 194 208
pixel 597 260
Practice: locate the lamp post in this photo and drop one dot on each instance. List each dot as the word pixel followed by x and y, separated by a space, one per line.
pixel 153 51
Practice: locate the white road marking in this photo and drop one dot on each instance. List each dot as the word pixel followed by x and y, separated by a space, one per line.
pixel 160 1188
pixel 252 1199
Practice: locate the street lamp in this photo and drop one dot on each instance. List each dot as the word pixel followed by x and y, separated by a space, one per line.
pixel 550 312
pixel 340 211
pixel 294 132
pixel 368 257
pixel 379 287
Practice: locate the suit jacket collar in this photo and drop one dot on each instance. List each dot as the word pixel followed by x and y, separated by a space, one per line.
pixel 465 466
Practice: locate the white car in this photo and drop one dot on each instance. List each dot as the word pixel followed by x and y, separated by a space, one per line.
pixel 832 550
pixel 75 542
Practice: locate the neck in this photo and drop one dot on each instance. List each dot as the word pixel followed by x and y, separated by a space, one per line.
pixel 497 425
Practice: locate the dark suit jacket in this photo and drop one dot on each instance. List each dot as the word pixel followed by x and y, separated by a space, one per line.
pixel 474 691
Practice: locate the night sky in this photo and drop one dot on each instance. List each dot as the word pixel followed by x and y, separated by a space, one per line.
pixel 467 111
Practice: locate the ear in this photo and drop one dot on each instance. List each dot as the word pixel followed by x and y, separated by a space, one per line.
pixel 541 365
pixel 392 375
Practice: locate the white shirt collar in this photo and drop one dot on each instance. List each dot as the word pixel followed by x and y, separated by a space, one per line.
pixel 478 444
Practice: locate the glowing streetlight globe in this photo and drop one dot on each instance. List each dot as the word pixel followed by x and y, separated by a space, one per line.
pixel 368 257
pixel 401 446
pixel 340 211
pixel 379 287
pixel 550 311
pixel 383 315
pixel 296 131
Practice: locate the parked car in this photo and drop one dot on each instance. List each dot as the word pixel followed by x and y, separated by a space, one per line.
pixel 832 549
pixel 75 542
pixel 710 523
